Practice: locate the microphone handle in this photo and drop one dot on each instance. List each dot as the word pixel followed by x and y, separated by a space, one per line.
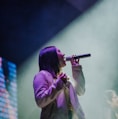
pixel 79 56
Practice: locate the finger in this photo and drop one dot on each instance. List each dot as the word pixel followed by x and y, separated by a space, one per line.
pixel 68 77
pixel 62 75
pixel 72 60
pixel 65 76
pixel 77 60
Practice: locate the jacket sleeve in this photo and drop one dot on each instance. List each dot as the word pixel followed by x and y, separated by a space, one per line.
pixel 45 92
pixel 79 79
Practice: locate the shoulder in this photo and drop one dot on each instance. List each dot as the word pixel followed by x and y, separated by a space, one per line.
pixel 42 73
pixel 42 76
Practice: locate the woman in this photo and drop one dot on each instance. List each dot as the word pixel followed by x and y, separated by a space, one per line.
pixel 54 93
pixel 111 111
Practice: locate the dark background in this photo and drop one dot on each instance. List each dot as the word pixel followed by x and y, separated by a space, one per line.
pixel 25 25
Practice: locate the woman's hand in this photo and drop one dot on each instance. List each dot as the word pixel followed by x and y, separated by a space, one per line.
pixel 63 77
pixel 74 61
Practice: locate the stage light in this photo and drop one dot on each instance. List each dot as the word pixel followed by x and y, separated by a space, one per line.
pixel 94 32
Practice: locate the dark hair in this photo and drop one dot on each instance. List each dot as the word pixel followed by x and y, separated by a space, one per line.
pixel 48 60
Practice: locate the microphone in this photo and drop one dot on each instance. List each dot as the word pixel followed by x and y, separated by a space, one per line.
pixel 78 57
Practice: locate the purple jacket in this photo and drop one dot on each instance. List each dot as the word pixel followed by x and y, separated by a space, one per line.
pixel 50 95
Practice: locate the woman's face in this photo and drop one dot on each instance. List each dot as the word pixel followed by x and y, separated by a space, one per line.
pixel 61 58
pixel 114 100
